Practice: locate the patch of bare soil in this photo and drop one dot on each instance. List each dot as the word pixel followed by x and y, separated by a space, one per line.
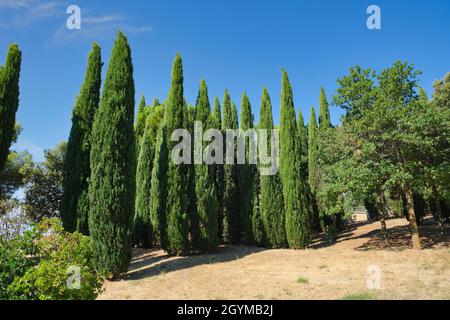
pixel 324 271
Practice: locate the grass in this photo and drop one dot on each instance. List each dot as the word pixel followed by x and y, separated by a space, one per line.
pixel 359 296
pixel 259 296
pixel 302 280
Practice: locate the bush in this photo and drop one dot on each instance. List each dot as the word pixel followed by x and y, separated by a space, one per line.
pixel 51 264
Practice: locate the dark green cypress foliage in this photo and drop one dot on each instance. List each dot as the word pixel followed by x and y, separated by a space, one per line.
pixel 194 226
pixel 246 177
pixel 234 116
pixel 312 150
pixel 324 110
pixel 77 167
pixel 139 126
pixel 216 122
pixel 271 197
pixel 231 224
pixel 142 232
pixel 303 135
pixel 205 189
pixel 295 201
pixel 217 112
pixel 112 183
pixel 158 190
pixel 9 100
pixel 155 102
pixel 313 170
pixel 177 176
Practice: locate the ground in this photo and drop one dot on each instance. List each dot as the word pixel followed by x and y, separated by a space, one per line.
pixel 323 271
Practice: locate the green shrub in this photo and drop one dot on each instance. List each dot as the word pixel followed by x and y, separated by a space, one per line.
pixel 46 264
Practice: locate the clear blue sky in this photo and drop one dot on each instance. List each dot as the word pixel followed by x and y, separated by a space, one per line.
pixel 239 45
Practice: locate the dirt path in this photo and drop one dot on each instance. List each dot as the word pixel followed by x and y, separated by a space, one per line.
pixel 324 271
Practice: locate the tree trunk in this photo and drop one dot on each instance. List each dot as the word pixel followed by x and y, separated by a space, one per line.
pixel 387 208
pixel 438 208
pixel 412 219
pixel 382 214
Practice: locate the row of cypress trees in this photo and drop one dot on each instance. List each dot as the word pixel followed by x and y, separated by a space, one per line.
pixel 122 188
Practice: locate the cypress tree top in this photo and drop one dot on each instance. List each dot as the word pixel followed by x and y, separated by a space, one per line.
pixel 234 117
pixel 174 113
pixel 227 117
pixel 203 108
pixel 246 113
pixel 324 111
pixel 217 112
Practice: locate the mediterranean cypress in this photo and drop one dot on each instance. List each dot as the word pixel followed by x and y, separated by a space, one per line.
pixel 271 198
pixel 231 224
pixel 177 180
pixel 112 182
pixel 158 190
pixel 205 189
pixel 142 233
pixel 77 166
pixel 324 111
pixel 9 100
pixel 295 201
pixel 139 126
pixel 246 176
pixel 216 123
pixel 312 151
pixel 303 135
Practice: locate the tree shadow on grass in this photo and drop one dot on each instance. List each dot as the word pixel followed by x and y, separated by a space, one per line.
pixel 400 238
pixel 319 240
pixel 151 263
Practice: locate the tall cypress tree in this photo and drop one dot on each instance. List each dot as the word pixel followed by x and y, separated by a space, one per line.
pixel 303 135
pixel 112 182
pixel 205 189
pixel 77 166
pixel 9 100
pixel 231 224
pixel 194 224
pixel 142 232
pixel 312 150
pixel 324 111
pixel 139 126
pixel 158 190
pixel 295 200
pixel 271 198
pixel 177 215
pixel 246 177
pixel 216 122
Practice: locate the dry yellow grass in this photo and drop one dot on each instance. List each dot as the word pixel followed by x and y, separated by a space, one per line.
pixel 324 271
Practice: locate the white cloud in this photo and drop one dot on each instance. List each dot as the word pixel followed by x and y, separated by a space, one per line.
pixel 25 13
pixel 21 14
pixel 24 144
pixel 97 27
